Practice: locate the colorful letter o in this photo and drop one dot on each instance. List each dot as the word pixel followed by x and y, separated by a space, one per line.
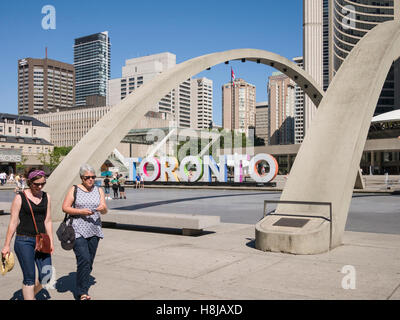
pixel 273 168
pixel 184 171
pixel 156 165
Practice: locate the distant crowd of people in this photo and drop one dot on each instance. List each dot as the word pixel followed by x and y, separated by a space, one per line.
pixel 18 180
pixel 117 184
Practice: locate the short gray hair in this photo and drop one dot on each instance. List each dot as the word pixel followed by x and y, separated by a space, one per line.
pixel 84 168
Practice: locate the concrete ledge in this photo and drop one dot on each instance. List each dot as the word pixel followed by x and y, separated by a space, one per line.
pixel 313 238
pixel 190 224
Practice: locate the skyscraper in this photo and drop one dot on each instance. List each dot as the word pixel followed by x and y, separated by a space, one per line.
pixel 262 121
pixel 281 96
pixel 92 61
pixel 44 84
pixel 351 20
pixel 299 108
pixel 312 51
pixel 243 99
pixel 202 103
pixel 138 71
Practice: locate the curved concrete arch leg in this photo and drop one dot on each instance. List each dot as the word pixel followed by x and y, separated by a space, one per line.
pixel 326 165
pixel 101 140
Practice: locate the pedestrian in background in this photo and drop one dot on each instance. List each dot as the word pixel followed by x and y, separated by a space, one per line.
pixel 86 220
pixel 115 187
pixel 121 187
pixel 107 188
pixel 137 180
pixel 142 180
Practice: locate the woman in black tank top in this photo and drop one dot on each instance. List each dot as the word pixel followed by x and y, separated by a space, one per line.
pixel 21 223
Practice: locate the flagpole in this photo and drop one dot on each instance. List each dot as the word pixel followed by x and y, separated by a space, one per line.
pixel 232 101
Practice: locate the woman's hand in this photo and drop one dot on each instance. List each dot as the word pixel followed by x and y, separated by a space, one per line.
pixel 102 208
pixel 5 251
pixel 86 212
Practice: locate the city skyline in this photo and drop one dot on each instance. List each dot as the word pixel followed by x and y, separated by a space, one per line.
pixel 185 29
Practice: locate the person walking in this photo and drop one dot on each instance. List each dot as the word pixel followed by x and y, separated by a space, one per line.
pixel 3 178
pixel 121 187
pixel 107 188
pixel 137 181
pixel 86 221
pixel 21 223
pixel 115 187
pixel 141 181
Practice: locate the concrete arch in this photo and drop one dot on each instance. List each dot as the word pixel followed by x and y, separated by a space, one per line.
pixel 99 142
pixel 328 160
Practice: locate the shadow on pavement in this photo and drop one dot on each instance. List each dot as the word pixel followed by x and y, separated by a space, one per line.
pixel 163 202
pixel 132 227
pixel 68 284
pixel 41 295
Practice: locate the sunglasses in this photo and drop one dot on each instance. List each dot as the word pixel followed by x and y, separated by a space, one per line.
pixel 88 177
pixel 39 184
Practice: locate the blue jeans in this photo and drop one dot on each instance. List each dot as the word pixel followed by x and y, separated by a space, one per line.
pixel 24 248
pixel 85 252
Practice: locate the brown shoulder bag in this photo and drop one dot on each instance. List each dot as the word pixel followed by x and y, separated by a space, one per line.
pixel 42 239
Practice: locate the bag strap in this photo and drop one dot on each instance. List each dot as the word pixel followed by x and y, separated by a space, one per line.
pixel 30 207
pixel 75 191
pixel 73 202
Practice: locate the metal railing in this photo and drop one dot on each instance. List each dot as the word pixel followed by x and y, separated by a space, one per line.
pixel 271 213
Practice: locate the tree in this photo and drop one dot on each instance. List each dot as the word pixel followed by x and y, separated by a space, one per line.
pixel 52 160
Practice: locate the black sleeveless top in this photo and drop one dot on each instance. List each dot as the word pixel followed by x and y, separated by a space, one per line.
pixel 26 226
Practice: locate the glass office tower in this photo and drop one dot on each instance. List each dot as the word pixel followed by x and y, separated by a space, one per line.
pixel 92 61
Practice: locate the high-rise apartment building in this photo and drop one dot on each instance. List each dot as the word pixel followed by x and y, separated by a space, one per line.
pixel 262 121
pixel 140 70
pixel 44 84
pixel 312 51
pixel 92 61
pixel 299 108
pixel 351 20
pixel 202 103
pixel 281 95
pixel 239 106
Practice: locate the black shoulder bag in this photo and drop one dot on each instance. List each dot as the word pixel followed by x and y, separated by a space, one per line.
pixel 65 232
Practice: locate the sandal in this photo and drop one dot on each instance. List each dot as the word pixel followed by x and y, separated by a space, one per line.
pixel 85 297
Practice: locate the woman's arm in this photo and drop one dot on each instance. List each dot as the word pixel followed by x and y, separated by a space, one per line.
pixel 14 221
pixel 102 208
pixel 48 223
pixel 67 205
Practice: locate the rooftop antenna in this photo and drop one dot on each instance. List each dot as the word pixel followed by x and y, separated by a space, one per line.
pixel 46 52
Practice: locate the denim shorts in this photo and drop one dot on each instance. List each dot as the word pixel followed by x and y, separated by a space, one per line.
pixel 24 248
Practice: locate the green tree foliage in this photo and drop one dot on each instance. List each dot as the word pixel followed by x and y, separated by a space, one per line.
pixel 51 160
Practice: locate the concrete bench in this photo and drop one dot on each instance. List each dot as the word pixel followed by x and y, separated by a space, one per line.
pixel 5 207
pixel 189 223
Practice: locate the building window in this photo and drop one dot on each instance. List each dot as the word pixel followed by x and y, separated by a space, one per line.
pixel 9 129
